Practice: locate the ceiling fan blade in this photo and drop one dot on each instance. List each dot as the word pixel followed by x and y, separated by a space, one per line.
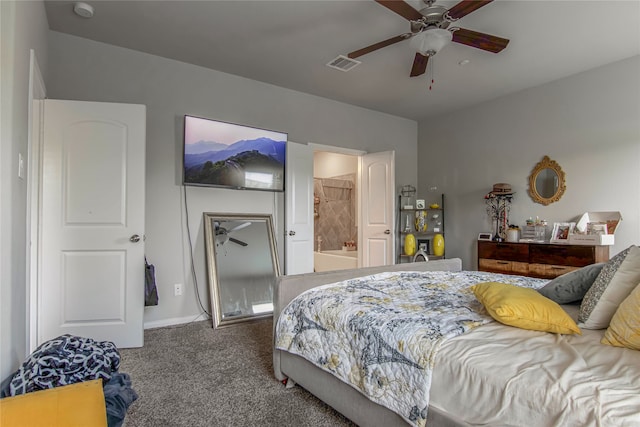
pixel 479 40
pixel 465 7
pixel 419 65
pixel 238 242
pixel 239 227
pixel 401 8
pixel 379 45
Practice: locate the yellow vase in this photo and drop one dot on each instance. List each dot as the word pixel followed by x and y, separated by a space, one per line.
pixel 438 245
pixel 409 244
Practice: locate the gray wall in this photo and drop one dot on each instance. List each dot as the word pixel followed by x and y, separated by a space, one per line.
pixel 589 123
pixel 23 27
pixel 81 69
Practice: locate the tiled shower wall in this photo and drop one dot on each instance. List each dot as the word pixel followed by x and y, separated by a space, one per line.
pixel 335 222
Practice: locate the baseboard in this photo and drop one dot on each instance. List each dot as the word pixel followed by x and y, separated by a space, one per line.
pixel 174 321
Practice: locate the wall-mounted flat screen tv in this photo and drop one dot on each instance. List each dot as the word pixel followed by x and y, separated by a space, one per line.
pixel 221 154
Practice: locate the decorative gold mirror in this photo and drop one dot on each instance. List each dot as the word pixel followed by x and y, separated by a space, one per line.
pixel 546 182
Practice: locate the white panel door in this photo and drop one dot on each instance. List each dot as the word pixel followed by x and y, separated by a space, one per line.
pixel 299 210
pixel 377 184
pixel 93 171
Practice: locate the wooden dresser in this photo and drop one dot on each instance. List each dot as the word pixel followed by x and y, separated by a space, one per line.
pixel 542 260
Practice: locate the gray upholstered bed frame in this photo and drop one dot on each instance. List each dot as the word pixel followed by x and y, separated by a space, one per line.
pixel 341 396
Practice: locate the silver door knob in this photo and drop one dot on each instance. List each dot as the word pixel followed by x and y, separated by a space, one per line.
pixel 387 231
pixel 134 239
pixel 292 233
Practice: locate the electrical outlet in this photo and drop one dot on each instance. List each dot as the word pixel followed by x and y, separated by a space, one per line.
pixel 177 289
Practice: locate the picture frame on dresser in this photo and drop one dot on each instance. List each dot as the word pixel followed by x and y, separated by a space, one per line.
pixel 485 236
pixel 561 232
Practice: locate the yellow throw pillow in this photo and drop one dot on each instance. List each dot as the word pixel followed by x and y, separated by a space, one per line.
pixel 76 405
pixel 524 308
pixel 624 329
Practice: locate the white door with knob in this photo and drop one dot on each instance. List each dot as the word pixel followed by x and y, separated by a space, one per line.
pixel 92 222
pixel 377 184
pixel 299 209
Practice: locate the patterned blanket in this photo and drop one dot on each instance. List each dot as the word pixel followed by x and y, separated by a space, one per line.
pixel 381 333
pixel 67 359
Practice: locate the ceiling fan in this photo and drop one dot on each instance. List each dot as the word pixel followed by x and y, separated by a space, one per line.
pixel 222 234
pixel 430 31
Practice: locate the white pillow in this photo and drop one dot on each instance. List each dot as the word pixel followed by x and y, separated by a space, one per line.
pixel 619 276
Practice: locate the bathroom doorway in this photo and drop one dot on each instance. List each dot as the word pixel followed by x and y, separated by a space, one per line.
pixel 335 210
pixel 372 194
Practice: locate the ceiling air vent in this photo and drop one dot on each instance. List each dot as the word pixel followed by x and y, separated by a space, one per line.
pixel 343 63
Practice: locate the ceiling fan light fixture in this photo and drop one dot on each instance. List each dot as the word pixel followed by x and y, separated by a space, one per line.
pixel 431 41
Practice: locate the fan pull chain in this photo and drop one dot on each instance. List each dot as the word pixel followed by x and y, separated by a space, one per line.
pixel 430 73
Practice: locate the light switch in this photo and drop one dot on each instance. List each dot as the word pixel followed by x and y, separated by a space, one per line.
pixel 20 166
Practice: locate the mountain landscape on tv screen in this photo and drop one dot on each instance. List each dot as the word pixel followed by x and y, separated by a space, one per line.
pixel 212 163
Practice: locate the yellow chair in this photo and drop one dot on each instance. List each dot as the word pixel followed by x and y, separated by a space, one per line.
pixel 76 405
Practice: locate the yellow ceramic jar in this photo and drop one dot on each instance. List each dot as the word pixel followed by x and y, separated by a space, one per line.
pixel 409 244
pixel 438 245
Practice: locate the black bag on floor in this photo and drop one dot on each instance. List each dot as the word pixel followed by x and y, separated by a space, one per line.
pixel 150 290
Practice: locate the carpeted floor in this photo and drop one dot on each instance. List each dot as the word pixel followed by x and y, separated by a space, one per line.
pixel 193 375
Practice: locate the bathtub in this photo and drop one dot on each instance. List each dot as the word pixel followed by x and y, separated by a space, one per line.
pixel 335 260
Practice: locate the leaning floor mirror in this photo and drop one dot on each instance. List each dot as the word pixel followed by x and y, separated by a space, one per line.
pixel 242 265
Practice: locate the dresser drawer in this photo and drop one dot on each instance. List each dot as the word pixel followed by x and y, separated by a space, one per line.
pixel 504 251
pixel 537 259
pixel 575 256
pixel 549 271
pixel 501 266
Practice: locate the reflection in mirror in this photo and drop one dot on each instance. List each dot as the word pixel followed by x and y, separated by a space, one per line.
pixel 546 182
pixel 242 266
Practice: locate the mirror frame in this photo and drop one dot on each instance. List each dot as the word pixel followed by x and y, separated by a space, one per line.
pixel 212 266
pixel 546 163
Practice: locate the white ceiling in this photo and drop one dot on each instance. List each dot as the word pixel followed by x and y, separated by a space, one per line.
pixel 288 43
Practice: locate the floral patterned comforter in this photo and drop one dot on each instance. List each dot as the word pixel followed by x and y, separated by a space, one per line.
pixel 381 333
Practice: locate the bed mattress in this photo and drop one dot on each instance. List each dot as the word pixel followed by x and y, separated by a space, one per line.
pixel 500 375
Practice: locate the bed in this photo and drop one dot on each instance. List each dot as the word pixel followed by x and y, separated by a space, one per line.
pixel 483 372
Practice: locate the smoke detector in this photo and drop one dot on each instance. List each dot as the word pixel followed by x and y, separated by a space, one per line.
pixel 83 9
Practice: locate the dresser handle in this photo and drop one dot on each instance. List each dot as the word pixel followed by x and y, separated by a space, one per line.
pixel 503 262
pixel 554 267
